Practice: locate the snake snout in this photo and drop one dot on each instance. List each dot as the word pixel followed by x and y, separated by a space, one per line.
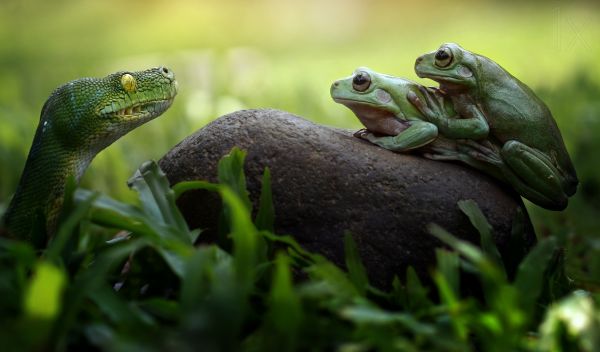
pixel 167 73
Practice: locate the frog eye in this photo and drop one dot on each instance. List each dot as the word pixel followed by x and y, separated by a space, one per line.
pixel 361 81
pixel 443 57
pixel 128 82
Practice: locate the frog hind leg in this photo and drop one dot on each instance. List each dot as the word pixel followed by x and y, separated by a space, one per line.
pixel 445 149
pixel 417 135
pixel 533 175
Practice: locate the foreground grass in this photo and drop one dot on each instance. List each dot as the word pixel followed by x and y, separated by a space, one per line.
pixel 151 289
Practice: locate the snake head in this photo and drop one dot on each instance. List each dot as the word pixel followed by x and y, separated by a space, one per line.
pixel 92 113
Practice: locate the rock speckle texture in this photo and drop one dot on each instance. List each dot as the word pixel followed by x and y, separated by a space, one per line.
pixel 326 182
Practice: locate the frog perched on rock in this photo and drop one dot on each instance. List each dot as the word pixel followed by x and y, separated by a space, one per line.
pixel 380 102
pixel 384 104
pixel 495 106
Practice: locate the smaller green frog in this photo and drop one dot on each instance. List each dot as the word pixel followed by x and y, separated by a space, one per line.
pixel 495 106
pixel 380 103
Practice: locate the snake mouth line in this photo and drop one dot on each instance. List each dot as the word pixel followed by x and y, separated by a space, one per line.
pixel 142 109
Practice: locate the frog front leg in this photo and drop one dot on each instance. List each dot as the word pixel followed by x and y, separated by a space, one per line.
pixel 534 175
pixel 417 135
pixel 470 123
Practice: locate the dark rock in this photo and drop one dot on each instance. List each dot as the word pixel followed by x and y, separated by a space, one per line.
pixel 325 181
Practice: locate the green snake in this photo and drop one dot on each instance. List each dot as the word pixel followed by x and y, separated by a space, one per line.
pixel 78 120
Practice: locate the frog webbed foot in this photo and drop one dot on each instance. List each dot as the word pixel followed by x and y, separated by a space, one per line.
pixel 483 150
pixel 432 108
pixel 368 136
pixel 534 175
pixel 443 156
pixel 361 133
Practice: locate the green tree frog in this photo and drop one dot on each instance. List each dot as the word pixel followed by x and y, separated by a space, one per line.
pixel 492 104
pixel 380 103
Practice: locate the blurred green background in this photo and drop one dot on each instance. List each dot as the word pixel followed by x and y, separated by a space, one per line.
pixel 235 54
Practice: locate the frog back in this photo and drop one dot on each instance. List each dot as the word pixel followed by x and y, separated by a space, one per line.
pixel 515 112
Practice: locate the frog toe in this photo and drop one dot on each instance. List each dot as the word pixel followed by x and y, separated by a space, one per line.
pixel 361 133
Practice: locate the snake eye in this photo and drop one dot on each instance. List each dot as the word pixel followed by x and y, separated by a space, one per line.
pixel 443 57
pixel 128 82
pixel 361 81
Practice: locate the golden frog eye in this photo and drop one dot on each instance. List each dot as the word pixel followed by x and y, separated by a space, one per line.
pixel 128 83
pixel 361 81
pixel 443 57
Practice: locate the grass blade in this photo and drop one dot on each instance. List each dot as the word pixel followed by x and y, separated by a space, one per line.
pixel 284 316
pixel 479 221
pixel 248 248
pixel 182 187
pixel 231 173
pixel 265 218
pixel 448 265
pixel 356 269
pixel 530 277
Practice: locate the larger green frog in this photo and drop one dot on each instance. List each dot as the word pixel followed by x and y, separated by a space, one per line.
pixel 493 105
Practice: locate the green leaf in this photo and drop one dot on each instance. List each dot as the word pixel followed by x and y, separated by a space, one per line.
pixel 248 248
pixel 185 186
pixel 530 276
pixel 492 277
pixel 335 280
pixel 416 293
pixel 284 315
pixel 231 173
pixel 57 245
pixel 22 251
pixel 478 220
pixel 166 240
pixel 175 254
pixel 213 299
pixel 265 218
pixel 473 254
pixel 110 213
pixel 162 308
pixel 159 221
pixel 356 269
pixel 157 198
pixel 44 293
pixel 452 302
pixel 517 245
pixel 294 248
pixel 120 312
pixel 448 265
pixel 88 280
pixel 370 315
pixel 198 278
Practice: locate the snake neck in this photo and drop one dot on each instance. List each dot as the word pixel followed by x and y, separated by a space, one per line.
pixel 41 190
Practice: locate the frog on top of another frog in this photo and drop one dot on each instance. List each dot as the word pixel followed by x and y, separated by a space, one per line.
pixel 493 105
pixel 449 124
